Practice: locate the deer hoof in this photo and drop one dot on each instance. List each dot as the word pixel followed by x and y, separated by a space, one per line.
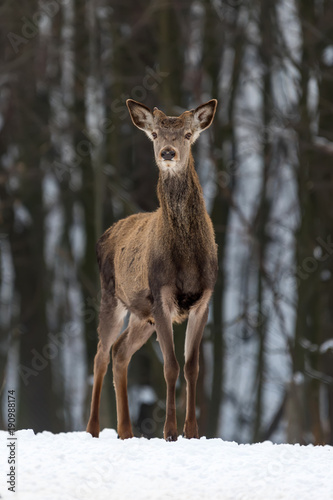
pixel 171 436
pixel 93 429
pixel 125 434
pixel 191 431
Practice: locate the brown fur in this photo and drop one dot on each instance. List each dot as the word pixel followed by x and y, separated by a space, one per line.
pixel 161 267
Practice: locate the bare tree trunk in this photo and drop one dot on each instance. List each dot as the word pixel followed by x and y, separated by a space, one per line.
pixel 263 211
pixel 314 261
pixel 324 191
pixel 27 128
pixel 83 146
pixel 212 50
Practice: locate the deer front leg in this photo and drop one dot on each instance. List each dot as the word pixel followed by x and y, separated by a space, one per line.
pixel 171 372
pixel 195 327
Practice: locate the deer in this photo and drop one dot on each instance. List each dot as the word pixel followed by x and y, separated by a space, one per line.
pixel 161 267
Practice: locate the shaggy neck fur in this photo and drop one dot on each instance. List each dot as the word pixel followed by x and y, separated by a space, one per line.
pixel 182 203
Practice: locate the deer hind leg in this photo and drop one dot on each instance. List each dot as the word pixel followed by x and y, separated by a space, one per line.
pixel 137 334
pixel 111 318
pixel 195 327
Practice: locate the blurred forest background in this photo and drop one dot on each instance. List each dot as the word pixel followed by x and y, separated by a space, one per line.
pixel 72 163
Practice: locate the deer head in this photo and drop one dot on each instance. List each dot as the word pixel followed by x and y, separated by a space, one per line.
pixel 172 136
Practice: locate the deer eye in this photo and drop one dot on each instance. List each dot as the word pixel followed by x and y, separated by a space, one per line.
pixel 188 135
pixel 154 135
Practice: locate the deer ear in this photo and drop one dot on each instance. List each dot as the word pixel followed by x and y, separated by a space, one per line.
pixel 204 114
pixel 141 116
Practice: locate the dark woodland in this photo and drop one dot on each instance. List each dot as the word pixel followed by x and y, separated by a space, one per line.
pixel 72 164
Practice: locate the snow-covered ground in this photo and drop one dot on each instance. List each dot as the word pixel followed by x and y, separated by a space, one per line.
pixel 75 466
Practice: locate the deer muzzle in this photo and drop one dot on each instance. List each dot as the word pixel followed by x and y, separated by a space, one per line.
pixel 168 154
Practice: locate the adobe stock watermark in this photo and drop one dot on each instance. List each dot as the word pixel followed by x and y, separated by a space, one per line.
pixel 277 467
pixel 41 359
pixel 224 8
pixel 57 341
pixel 30 26
pixel 92 139
pixel 149 425
pixel 308 266
pixel 98 479
pixel 105 468
pixel 225 177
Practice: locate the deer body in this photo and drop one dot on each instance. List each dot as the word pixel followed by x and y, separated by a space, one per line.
pixel 161 267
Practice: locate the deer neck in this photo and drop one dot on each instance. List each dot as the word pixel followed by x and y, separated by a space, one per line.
pixel 181 201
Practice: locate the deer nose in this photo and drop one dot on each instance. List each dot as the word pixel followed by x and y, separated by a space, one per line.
pixel 168 154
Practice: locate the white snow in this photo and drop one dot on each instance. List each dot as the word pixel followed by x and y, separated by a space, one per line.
pixel 74 465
